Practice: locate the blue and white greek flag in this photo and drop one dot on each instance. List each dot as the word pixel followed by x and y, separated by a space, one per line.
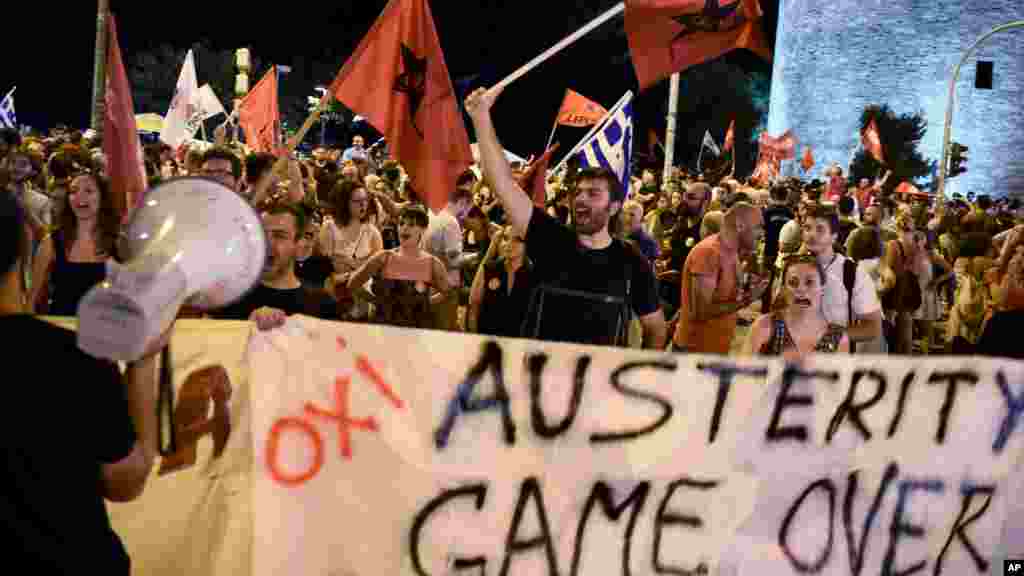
pixel 611 146
pixel 8 119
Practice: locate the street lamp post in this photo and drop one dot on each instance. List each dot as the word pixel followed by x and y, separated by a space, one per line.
pixel 944 161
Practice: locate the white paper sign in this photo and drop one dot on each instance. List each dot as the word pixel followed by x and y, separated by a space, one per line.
pixel 382 451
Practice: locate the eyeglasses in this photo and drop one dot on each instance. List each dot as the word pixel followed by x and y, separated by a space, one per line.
pixel 218 173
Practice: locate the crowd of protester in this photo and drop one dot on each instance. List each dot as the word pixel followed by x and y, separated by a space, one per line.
pixel 684 264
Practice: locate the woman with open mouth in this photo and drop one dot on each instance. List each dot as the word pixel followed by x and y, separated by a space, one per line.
pixel 797 327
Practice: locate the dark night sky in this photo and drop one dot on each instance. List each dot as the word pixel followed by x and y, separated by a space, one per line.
pixel 54 75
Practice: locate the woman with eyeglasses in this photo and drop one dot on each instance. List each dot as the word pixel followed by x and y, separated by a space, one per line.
pixel 350 243
pixel 499 300
pixel 73 258
pixel 798 326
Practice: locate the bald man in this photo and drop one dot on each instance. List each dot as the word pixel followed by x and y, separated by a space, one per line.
pixel 712 288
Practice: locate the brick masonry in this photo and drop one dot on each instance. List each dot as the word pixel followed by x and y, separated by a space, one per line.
pixel 833 57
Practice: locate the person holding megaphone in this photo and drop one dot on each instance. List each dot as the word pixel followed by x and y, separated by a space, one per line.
pixel 80 434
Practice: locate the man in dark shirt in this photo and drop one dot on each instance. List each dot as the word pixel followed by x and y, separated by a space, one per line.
pixel 311 269
pixel 776 215
pixel 280 293
pixel 589 280
pixel 75 432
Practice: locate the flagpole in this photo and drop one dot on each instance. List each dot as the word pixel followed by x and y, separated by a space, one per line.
pixel 565 42
pixel 670 134
pixel 99 70
pixel 622 101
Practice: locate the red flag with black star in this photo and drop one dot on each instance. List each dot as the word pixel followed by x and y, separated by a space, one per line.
pixel 668 36
pixel 398 80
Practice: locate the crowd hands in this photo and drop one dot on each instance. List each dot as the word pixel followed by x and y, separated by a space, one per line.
pixel 694 263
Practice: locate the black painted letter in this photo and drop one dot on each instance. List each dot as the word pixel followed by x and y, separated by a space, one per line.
pixel 530 490
pixel 817 565
pixel 668 518
pixel 952 379
pixel 897 417
pixel 535 364
pixel 603 493
pixel 853 410
pixel 900 528
pixel 464 402
pixel 726 374
pixel 856 549
pixel 789 375
pixel 961 524
pixel 666 407
pixel 479 491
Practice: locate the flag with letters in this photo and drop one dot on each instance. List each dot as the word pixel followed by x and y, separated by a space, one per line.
pixel 611 146
pixel 8 119
pixel 180 122
pixel 579 111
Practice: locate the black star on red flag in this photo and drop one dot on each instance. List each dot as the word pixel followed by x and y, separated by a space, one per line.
pixel 412 82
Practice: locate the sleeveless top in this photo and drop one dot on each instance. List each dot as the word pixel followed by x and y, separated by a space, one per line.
pixel 69 281
pixel 404 303
pixel 782 339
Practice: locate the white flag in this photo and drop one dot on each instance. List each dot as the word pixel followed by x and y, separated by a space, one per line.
pixel 710 144
pixel 209 104
pixel 180 122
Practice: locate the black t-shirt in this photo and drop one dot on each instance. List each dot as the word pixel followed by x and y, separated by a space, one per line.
pixel 313 271
pixel 775 217
pixel 502 313
pixel 684 238
pixel 303 300
pixel 65 417
pixel 603 281
pixel 1000 336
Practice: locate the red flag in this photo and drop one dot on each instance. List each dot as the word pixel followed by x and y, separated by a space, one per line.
pixel 781 148
pixel 397 78
pixel 872 142
pixel 729 137
pixel 667 36
pixel 579 111
pixel 125 164
pixel 259 116
pixel 807 162
pixel 534 179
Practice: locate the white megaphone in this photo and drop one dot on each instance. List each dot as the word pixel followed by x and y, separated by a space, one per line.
pixel 190 241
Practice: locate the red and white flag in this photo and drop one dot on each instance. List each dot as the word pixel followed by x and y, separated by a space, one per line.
pixel 179 123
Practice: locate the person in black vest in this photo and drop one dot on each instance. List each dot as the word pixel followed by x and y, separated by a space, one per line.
pixel 591 282
pixel 776 215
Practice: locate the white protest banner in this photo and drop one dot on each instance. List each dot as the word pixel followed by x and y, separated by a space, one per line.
pixel 382 451
pixel 194 516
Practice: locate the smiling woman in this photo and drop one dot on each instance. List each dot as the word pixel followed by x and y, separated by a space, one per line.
pixel 73 258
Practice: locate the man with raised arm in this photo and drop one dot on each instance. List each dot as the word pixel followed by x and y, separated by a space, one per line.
pixel 590 280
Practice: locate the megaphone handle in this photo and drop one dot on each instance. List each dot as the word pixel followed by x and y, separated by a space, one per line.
pixel 167 437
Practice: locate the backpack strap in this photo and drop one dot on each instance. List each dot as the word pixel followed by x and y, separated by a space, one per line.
pixel 849 279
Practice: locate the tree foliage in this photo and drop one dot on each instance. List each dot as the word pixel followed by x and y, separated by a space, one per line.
pixel 900 136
